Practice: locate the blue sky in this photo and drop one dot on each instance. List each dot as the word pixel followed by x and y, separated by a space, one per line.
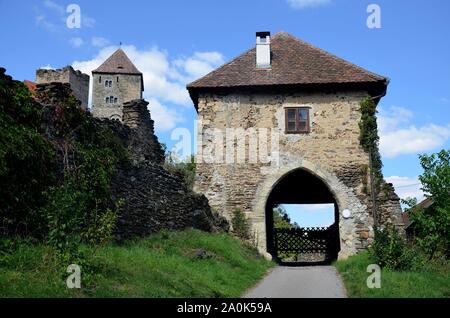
pixel 310 215
pixel 174 42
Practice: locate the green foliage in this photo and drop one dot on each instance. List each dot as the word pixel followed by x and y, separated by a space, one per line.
pixel 240 224
pixel 409 202
pixel 432 225
pixel 436 177
pixel 163 265
pixel 368 136
pixel 389 250
pixel 56 167
pixel 79 210
pixel 186 168
pixel 27 161
pixel 431 280
pixel 281 219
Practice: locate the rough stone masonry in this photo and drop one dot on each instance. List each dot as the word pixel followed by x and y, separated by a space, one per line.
pixel 241 94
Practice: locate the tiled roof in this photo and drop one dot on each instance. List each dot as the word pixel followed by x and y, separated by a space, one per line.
pixel 118 63
pixel 293 62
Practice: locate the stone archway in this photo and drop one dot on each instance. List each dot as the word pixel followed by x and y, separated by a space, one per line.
pixel 344 197
pixel 302 244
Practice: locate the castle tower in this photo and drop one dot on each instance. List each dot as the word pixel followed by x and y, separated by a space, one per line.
pixel 115 82
pixel 79 82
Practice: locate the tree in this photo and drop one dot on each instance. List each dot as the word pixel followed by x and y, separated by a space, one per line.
pixel 433 224
pixel 281 219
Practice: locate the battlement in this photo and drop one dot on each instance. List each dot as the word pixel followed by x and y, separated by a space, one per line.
pixel 79 82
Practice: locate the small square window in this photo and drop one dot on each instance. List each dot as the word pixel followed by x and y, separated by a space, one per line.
pixel 297 120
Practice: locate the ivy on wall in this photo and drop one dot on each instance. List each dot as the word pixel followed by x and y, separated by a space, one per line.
pixel 369 138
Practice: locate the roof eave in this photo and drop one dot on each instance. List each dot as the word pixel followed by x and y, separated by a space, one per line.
pixel 376 89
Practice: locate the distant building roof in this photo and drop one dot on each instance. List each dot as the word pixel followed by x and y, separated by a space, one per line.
pixel 293 63
pixel 118 63
pixel 423 205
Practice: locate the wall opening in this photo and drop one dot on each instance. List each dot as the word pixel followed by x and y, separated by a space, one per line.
pixel 302 220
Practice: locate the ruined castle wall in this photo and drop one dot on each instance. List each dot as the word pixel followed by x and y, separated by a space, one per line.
pixel 154 197
pixel 331 151
pixel 124 88
pixel 79 82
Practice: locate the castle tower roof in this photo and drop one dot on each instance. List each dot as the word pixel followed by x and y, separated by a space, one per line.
pixel 118 63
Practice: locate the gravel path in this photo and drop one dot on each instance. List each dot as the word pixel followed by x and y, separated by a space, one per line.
pixel 300 282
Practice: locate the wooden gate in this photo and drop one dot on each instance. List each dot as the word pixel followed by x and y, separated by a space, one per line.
pixel 297 241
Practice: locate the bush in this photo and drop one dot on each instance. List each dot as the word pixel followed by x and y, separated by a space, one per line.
pixel 390 251
pixel 56 167
pixel 185 168
pixel 27 162
pixel 240 224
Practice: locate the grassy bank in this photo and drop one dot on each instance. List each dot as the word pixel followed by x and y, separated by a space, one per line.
pixel 431 282
pixel 172 264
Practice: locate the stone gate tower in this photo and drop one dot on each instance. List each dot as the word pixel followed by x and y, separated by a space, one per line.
pixel 115 82
pixel 307 104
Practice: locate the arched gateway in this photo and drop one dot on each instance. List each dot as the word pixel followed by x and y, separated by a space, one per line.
pixel 302 182
pixel 306 104
pixel 295 243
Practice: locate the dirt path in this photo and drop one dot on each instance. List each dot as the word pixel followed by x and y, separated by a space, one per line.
pixel 300 282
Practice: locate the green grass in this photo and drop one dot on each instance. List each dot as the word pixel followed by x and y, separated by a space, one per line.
pixel 430 283
pixel 163 265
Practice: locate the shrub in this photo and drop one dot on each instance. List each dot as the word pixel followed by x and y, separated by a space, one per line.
pixel 185 168
pixel 27 162
pixel 241 226
pixel 56 167
pixel 390 251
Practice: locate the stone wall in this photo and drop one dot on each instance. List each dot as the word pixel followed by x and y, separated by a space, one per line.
pixel 331 152
pixel 154 198
pixel 79 82
pixel 124 87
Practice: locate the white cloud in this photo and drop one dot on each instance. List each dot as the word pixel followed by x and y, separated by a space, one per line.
pixel 47 67
pixel 301 4
pixel 198 65
pixel 164 79
pixel 76 41
pixel 59 9
pixel 407 187
pixel 444 100
pixel 87 21
pixel 98 41
pixel 165 118
pixel 398 136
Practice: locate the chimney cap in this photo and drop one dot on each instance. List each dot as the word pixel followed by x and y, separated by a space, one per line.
pixel 263 33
